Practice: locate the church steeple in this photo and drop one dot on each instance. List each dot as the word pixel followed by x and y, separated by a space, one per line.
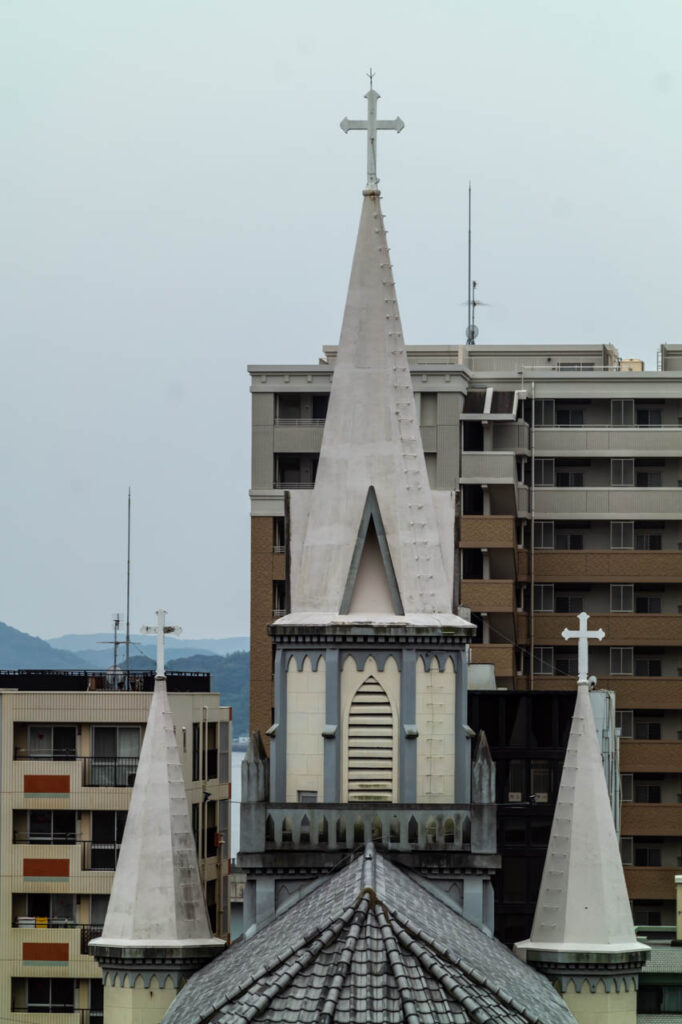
pixel 372 441
pixel 156 932
pixel 583 937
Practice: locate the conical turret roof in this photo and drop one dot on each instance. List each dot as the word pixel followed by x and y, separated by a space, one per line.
pixel 583 902
pixel 157 897
pixel 372 452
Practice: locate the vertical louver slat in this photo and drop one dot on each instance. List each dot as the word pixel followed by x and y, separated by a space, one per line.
pixel 370 744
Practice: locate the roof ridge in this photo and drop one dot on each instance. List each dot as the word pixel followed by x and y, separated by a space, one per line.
pixel 395 960
pixel 402 928
pixel 339 978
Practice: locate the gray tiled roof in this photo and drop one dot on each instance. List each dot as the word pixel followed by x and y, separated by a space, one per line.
pixel 370 944
pixel 664 960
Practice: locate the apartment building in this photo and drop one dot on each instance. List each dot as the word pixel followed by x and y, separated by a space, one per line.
pixel 69 747
pixel 567 465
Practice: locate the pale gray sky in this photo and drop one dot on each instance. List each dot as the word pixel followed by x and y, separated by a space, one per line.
pixel 178 200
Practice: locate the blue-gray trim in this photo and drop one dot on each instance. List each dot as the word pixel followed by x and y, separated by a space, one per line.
pixel 332 744
pixel 278 743
pixel 462 741
pixel 440 656
pixel 381 657
pixel 371 514
pixel 300 656
pixel 408 715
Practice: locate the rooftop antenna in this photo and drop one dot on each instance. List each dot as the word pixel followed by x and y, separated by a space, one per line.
pixel 116 643
pixel 127 640
pixel 472 302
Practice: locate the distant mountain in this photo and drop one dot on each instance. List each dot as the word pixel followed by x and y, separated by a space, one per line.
pixel 102 657
pixel 77 643
pixel 229 678
pixel 21 650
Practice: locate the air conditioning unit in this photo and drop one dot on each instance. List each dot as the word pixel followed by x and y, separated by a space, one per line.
pixel 541 798
pixel 515 798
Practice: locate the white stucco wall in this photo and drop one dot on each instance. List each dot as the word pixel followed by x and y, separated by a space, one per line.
pixel 436 726
pixel 305 722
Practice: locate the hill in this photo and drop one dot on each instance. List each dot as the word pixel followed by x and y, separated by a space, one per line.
pixel 21 650
pixel 229 678
pixel 78 643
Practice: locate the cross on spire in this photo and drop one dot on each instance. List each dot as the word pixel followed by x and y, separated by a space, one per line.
pixel 160 629
pixel 372 126
pixel 583 635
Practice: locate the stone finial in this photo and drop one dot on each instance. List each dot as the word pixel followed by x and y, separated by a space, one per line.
pixel 483 772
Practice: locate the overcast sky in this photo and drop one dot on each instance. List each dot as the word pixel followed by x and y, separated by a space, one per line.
pixel 178 200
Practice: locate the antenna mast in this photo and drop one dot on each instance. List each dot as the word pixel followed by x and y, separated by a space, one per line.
pixel 472 329
pixel 127 641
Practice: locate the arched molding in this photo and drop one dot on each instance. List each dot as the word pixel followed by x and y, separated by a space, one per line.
pixel 441 657
pixel 379 657
pixel 299 657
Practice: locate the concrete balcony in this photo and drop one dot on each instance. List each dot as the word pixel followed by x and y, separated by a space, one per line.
pixel 298 436
pixel 651 819
pixel 488 468
pixel 501 656
pixel 608 441
pixel 632 692
pixel 487 532
pixel 656 756
pixel 488 595
pixel 651 883
pixel 608 502
pixel 620 629
pixel 608 566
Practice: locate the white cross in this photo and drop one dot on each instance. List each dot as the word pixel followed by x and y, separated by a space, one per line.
pixel 372 126
pixel 583 635
pixel 160 629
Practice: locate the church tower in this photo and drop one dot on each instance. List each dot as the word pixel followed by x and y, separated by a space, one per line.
pixel 583 938
pixel 156 933
pixel 370 739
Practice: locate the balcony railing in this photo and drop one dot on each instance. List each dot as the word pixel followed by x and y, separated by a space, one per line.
pixel 109 771
pixel 41 839
pixel 100 856
pixel 300 421
pixel 55 754
pixel 344 827
pixel 22 921
pixel 293 485
pixel 89 931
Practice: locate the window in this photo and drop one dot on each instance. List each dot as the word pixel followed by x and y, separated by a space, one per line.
pixel 307 796
pixel 49 995
pixel 646 605
pixel 621 661
pixel 622 534
pixel 52 742
pixel 626 851
pixel 56 907
pixel 622 472
pixel 622 597
pixel 626 787
pixel 544 412
pixel 622 412
pixel 544 534
pixel 544 597
pixel 625 722
pixel 51 827
pixel 648 666
pixel 569 603
pixel 648 542
pixel 569 417
pixel 544 472
pixel 107 834
pixel 647 856
pixel 540 781
pixel 649 478
pixel 566 663
pixel 569 541
pixel 544 661
pixel 647 793
pixel 116 751
pixel 515 788
pixel 647 730
pixel 369 758
pixel 569 478
pixel 648 417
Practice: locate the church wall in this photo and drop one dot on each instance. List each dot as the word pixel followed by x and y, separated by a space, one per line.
pixel 306 693
pixel 351 679
pixel 436 726
pixel 123 1004
pixel 602 1007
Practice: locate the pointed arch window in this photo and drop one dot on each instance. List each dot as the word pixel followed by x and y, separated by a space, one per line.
pixel 370 744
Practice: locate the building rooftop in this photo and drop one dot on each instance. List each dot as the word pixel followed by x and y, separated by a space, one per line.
pixel 370 943
pixel 49 680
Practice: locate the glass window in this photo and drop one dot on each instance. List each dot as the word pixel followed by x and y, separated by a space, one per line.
pixel 622 412
pixel 541 776
pixel 544 412
pixel 622 534
pixel 646 605
pixel 544 661
pixel 515 782
pixel 544 534
pixel 621 660
pixel 544 472
pixel 622 597
pixel 544 597
pixel 622 472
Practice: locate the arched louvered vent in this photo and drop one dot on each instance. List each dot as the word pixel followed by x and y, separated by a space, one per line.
pixel 370 744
